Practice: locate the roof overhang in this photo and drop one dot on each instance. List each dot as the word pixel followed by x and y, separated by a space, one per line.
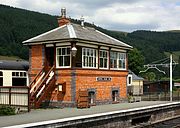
pixel 78 40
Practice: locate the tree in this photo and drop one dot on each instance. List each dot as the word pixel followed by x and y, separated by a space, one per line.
pixel 150 76
pixel 135 60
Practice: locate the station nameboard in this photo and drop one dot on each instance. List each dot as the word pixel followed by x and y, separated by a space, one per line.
pixel 103 78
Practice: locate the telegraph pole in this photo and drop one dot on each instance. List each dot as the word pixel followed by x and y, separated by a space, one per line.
pixel 171 77
pixel 170 64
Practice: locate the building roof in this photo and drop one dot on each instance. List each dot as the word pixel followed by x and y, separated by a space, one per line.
pixel 14 65
pixel 72 31
pixel 134 76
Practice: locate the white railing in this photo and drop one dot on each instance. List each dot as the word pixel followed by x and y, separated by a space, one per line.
pixel 49 78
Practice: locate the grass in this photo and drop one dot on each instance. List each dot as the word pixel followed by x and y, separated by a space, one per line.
pixel 7 110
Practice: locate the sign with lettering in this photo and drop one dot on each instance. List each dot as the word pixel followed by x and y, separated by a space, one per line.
pixel 103 78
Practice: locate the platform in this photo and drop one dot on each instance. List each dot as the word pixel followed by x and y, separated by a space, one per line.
pixel 40 116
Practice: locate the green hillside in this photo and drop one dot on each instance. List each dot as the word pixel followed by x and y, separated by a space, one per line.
pixel 17 25
pixel 176 55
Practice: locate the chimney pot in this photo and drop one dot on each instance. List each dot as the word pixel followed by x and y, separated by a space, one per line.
pixel 82 21
pixel 63 12
pixel 62 20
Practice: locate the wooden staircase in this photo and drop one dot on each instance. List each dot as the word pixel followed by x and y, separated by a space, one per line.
pixel 43 83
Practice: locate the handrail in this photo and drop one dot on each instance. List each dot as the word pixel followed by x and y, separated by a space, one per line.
pixel 38 80
pixel 42 82
pixel 46 83
pixel 30 85
pixel 47 89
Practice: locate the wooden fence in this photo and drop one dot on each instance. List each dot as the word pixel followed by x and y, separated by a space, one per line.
pixel 17 97
pixel 156 96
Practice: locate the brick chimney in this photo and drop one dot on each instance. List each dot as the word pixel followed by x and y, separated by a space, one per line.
pixel 63 20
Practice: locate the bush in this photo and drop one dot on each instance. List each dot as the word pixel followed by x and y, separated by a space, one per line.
pixel 7 110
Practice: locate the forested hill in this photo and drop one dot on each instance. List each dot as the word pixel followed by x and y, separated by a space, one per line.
pixel 152 44
pixel 17 25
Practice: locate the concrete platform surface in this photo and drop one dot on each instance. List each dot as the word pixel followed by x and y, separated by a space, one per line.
pixel 40 115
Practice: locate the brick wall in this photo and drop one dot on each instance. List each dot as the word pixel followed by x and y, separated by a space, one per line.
pixel 80 79
pixel 36 60
pixel 86 79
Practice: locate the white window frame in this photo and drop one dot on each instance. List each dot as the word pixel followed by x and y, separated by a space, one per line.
pixel 118 58
pixel 57 55
pixel 88 57
pixel 107 52
pixel 129 80
pixel 18 75
pixel 122 57
pixel 113 60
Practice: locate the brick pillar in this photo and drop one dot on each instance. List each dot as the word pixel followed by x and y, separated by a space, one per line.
pixel 36 57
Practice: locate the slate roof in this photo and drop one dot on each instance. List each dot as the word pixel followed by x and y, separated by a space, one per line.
pixel 135 77
pixel 75 31
pixel 14 65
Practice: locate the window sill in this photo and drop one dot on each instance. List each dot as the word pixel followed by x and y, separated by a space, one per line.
pixel 115 102
pixel 63 67
pixel 92 104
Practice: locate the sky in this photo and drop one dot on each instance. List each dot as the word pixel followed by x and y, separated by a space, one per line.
pixel 120 15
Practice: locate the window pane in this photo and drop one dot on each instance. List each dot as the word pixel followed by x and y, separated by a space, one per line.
pixel 101 54
pixel 19 81
pixel 59 51
pixel 120 56
pixel 87 52
pixel 105 63
pixel 94 62
pixel 84 51
pixel 63 51
pixel 123 64
pixel 129 80
pixel 115 63
pixel 61 61
pixel 13 74
pixel 66 60
pixel 1 73
pixel 68 51
pixel 106 54
pixel 21 73
pixel 111 63
pixel 120 64
pixel 1 81
pixel 101 62
pixel 85 60
pixel 17 73
pixel 90 62
pixel 92 52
